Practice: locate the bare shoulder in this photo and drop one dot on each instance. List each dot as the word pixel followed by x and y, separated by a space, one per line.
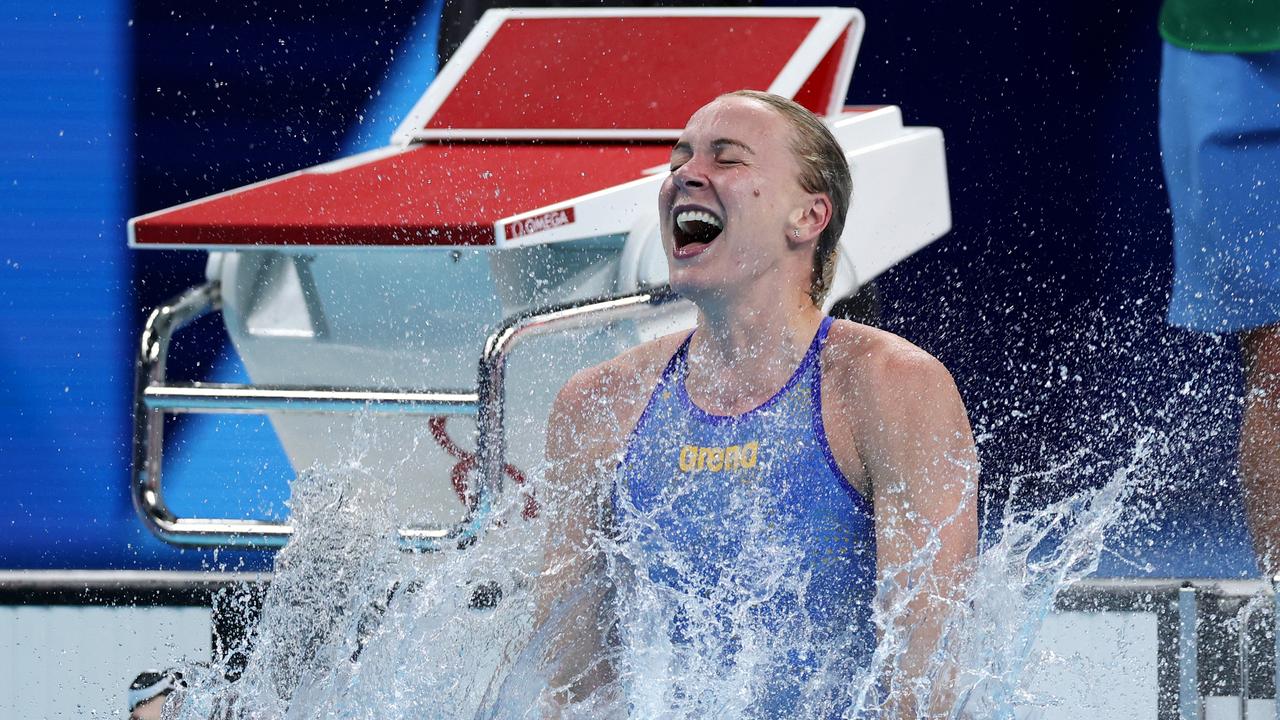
pixel 598 407
pixel 901 410
pixel 870 363
pixel 880 387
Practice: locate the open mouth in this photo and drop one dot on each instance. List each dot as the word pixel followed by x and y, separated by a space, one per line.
pixel 695 227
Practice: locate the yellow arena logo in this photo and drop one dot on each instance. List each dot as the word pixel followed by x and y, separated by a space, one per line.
pixel 715 459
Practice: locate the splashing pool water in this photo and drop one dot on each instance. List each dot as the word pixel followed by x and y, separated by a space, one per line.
pixel 354 627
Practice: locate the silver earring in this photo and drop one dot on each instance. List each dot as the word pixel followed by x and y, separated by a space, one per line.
pixel 796 232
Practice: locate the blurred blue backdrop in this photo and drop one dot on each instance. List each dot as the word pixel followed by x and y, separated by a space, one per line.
pixel 1046 300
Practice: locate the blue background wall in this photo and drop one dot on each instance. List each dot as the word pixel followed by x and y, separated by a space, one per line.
pixel 1046 300
pixel 64 280
pixel 112 109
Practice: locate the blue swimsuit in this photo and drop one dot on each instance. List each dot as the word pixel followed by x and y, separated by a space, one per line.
pixel 749 548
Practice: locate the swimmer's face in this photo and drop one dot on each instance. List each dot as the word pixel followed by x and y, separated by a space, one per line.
pixel 733 198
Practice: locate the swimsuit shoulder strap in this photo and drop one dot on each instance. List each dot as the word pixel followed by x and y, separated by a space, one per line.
pixel 678 365
pixel 814 353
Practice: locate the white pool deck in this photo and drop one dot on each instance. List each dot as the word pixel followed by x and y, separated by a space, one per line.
pixel 68 660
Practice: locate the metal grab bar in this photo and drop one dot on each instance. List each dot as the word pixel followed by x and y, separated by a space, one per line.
pixel 154 397
pixel 491 379
pixel 226 398
pixel 1275 637
pixel 1206 643
pixel 1188 655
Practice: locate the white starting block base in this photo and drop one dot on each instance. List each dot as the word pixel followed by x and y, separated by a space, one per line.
pixel 1100 665
pixel 68 662
pixel 1228 708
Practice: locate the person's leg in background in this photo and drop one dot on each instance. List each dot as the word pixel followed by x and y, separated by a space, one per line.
pixel 1260 442
pixel 1220 142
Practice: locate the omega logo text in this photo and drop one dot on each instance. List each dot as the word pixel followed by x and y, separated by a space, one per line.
pixel 538 223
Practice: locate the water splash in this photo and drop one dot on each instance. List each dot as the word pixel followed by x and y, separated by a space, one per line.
pixel 354 627
pixel 1038 554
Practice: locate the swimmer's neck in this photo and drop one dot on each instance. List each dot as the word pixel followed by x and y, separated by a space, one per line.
pixel 751 342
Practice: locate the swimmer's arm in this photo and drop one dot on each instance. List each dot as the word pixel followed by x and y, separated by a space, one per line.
pixel 571 590
pixel 923 469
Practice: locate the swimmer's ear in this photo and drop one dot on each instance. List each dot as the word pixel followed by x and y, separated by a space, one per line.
pixel 810 219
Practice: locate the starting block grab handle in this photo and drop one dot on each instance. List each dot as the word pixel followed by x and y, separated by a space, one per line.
pixel 154 397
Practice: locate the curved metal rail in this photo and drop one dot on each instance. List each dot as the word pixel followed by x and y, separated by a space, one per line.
pixel 154 397
pixel 491 379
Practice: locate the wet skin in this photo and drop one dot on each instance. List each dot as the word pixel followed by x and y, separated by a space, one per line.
pixel 735 161
pixel 149 710
pixel 1260 443
pixel 894 420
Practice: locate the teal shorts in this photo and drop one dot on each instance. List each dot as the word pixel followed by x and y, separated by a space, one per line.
pixel 1220 136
